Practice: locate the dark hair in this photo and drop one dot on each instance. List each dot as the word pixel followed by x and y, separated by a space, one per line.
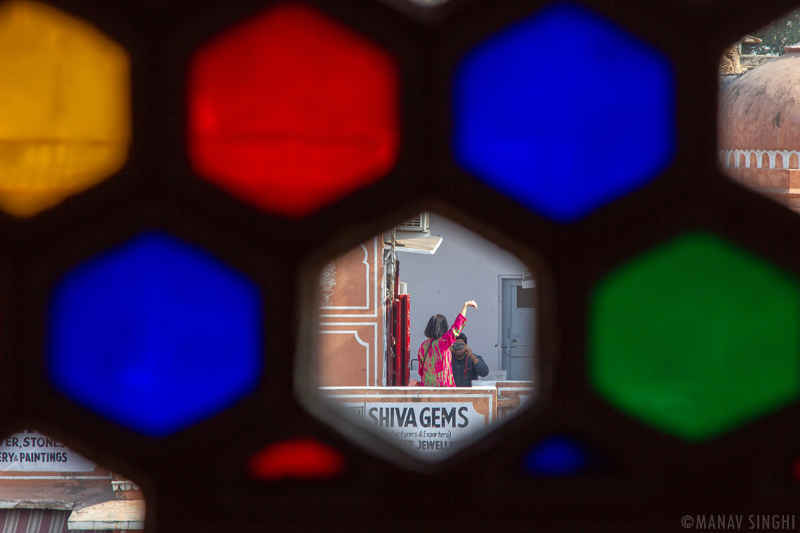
pixel 462 336
pixel 437 326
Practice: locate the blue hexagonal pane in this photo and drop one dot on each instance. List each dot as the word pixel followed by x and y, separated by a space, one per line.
pixel 556 456
pixel 564 135
pixel 155 335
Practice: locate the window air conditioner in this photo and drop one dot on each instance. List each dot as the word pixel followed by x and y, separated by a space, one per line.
pixel 414 228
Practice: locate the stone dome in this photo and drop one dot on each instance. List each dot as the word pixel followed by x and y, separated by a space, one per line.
pixel 759 128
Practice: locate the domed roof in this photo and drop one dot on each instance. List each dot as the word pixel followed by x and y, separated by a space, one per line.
pixel 761 109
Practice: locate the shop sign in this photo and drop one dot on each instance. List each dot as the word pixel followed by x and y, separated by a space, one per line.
pixel 34 452
pixel 424 421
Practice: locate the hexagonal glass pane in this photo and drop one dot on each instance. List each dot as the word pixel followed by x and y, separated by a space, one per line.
pixel 291 110
pixel 155 335
pixel 696 337
pixel 395 351
pixel 66 106
pixel 759 129
pixel 533 129
pixel 296 459
pixel 557 456
pixel 46 486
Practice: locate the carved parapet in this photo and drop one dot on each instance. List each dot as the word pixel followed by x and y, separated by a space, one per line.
pixel 731 61
pixel 125 489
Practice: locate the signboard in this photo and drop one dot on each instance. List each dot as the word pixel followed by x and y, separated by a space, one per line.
pixel 34 452
pixel 427 421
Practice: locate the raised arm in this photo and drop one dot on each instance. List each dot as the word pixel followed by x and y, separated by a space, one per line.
pixel 446 340
pixel 470 303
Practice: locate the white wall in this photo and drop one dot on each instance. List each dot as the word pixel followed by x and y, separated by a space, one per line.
pixel 465 267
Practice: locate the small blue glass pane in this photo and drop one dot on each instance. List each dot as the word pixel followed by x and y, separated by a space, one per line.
pixel 564 131
pixel 556 456
pixel 155 335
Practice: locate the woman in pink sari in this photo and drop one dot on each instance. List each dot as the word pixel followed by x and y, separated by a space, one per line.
pixel 435 360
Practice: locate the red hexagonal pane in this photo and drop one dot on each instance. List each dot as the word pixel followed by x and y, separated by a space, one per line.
pixel 291 111
pixel 301 458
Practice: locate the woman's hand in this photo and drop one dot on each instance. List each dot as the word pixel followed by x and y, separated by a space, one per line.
pixel 470 303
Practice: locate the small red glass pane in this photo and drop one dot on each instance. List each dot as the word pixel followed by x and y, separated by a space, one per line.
pixel 291 111
pixel 296 459
pixel 796 470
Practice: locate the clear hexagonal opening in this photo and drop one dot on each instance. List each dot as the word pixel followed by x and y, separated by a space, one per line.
pixel 759 141
pixel 47 486
pixel 401 348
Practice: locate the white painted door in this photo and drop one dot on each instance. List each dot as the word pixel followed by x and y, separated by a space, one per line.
pixel 518 333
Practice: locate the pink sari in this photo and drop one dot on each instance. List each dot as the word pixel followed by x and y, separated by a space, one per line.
pixel 435 361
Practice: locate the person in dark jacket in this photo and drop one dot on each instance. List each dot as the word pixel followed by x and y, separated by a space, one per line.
pixel 466 365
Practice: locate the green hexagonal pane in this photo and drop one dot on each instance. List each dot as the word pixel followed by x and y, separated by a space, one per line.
pixel 695 337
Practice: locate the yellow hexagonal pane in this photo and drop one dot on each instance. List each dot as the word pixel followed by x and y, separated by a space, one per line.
pixel 65 112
